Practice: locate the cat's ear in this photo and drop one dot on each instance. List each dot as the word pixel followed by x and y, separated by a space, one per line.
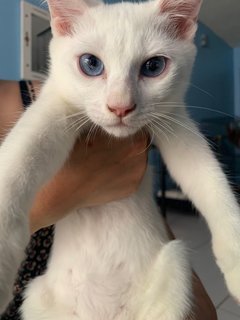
pixel 183 15
pixel 64 12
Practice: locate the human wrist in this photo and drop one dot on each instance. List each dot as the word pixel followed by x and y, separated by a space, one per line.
pixel 52 203
pixel 43 210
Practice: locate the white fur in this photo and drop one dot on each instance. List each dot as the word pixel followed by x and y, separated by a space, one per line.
pixel 113 262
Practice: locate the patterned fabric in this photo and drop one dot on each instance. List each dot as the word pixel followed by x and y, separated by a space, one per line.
pixel 37 254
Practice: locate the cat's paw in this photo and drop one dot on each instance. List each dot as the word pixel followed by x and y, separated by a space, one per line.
pixel 227 253
pixel 167 290
pixel 232 279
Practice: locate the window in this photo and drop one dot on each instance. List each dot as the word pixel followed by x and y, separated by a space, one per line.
pixel 35 37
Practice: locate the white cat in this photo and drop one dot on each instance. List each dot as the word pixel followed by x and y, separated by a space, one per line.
pixel 123 67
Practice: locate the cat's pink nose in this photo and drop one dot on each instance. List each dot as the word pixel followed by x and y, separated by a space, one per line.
pixel 122 111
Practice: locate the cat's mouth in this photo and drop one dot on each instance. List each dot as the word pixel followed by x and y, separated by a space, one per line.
pixel 119 124
pixel 120 129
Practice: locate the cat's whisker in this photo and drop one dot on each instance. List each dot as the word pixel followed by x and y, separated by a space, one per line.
pixel 149 141
pixel 144 131
pixel 172 113
pixel 77 124
pixel 166 117
pixel 110 138
pixel 183 106
pixel 156 117
pixel 211 143
pixel 163 123
pixel 198 88
pixel 97 128
pixel 156 131
pixel 76 114
pixel 181 124
pixel 156 126
pixel 82 124
pixel 158 123
pixel 152 134
pixel 170 119
pixel 159 132
pixel 90 132
pixel 159 117
pixel 87 137
pixel 169 133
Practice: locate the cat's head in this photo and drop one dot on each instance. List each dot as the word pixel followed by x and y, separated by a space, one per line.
pixel 124 64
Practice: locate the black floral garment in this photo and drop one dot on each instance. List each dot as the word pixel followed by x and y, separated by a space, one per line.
pixel 37 252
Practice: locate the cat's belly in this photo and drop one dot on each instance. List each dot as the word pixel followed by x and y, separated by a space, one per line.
pixel 98 257
pixel 95 299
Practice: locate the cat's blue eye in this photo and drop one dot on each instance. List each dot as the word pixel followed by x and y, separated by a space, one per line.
pixel 91 65
pixel 153 67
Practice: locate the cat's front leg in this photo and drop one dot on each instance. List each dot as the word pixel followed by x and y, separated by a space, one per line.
pixel 194 167
pixel 166 292
pixel 33 151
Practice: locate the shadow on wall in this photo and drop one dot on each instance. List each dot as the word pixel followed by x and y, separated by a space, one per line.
pixel 212 80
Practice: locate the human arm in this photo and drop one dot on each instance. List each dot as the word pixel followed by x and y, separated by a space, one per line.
pixel 11 106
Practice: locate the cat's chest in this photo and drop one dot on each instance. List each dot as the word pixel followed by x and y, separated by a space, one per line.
pixel 103 241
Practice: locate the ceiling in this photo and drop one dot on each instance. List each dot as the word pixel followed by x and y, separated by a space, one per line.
pixel 223 17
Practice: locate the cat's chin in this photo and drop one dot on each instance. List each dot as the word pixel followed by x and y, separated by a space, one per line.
pixel 120 131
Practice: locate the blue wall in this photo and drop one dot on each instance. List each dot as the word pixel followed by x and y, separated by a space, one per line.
pixel 35 2
pixel 212 73
pixel 10 39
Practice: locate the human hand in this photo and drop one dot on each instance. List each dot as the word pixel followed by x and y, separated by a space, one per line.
pixel 95 174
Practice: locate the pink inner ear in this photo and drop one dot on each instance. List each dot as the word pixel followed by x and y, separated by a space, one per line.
pixel 183 28
pixel 62 27
pixel 182 16
pixel 63 13
pixel 188 8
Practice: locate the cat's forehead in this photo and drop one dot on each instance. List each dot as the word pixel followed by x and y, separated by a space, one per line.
pixel 124 28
